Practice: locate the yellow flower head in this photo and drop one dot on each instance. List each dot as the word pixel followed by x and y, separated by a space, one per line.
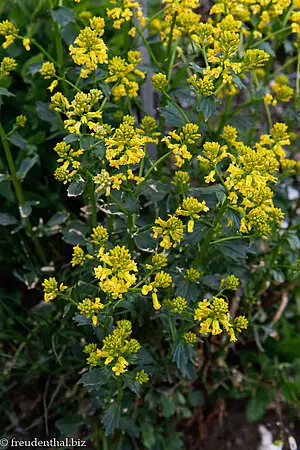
pixel 191 207
pixel 7 65
pixel 51 289
pixel 172 231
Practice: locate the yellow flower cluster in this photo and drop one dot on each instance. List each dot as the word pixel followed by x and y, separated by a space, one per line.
pixel 51 289
pixel 115 274
pixel 79 257
pixel 190 338
pixel 90 48
pixel 180 17
pixel 172 231
pixel 192 275
pixel 178 142
pixel 90 308
pixel 9 31
pixel 282 92
pixel 79 111
pixel 191 207
pixel 99 235
pixel 70 164
pixel 116 347
pixel 142 377
pixel 250 172
pixel 124 75
pixel 7 65
pixel 107 182
pixel 214 317
pixel 160 82
pixel 260 11
pixel 124 11
pixel 127 145
pixel 161 280
pixel 158 260
pixel 176 305
pixel 230 282
pixel 21 121
pixel 181 179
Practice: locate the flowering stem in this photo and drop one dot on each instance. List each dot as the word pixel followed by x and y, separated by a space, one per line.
pixel 19 193
pixel 150 170
pixel 229 238
pixel 268 115
pixel 172 59
pixel 43 50
pixel 256 44
pixel 171 327
pixel 91 190
pixel 210 233
pixel 146 43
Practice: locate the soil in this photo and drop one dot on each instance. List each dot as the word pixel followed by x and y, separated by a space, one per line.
pixel 227 428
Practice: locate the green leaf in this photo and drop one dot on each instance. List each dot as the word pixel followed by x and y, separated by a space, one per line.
pixel 207 105
pixel 25 210
pixel 17 140
pixel 267 48
pixel 186 289
pixel 69 425
pixel 74 237
pixel 111 419
pixel 62 15
pixel 149 435
pixel 168 406
pixel 293 240
pixel 257 406
pixel 6 219
pixel 144 241
pixel 45 113
pixel 200 229
pixel 196 68
pixel 26 165
pixel 181 355
pixel 58 219
pixel 4 177
pixel 129 426
pixel 94 378
pixel 234 249
pixel 76 188
pixel 154 190
pixel 5 92
pixel 71 138
pixel 173 115
pixel 290 346
pixel 134 386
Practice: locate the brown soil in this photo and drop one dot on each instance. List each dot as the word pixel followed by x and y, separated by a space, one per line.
pixel 227 428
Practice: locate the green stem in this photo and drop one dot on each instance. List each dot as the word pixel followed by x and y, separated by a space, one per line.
pixel 172 59
pixel 146 43
pixel 178 107
pixel 43 50
pixel 269 118
pixel 210 233
pixel 93 202
pixel 151 169
pixel 256 44
pixel 171 327
pixel 19 194
pixel 229 238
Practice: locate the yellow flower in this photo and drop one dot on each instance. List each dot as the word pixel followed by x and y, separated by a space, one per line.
pixel 191 207
pixel 51 289
pixel 91 49
pixel 159 260
pixel 178 142
pixel 9 31
pixel 48 70
pixel 190 337
pixel 176 305
pixel 7 65
pixel 89 307
pixel 26 44
pixel 161 280
pixel 142 377
pixel 115 276
pixel 192 275
pixel 230 282
pixel 79 257
pixel 172 231
pixel 99 235
pixel 159 81
pixel 21 121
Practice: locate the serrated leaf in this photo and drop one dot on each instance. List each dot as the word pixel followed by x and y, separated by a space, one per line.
pixel 196 68
pixel 181 354
pixel 81 320
pixel 44 113
pixel 129 426
pixel 5 92
pixel 207 105
pixel 134 386
pixel 186 289
pixel 62 15
pixel 26 165
pixel 144 241
pixel 111 419
pixel 6 219
pixel 74 237
pixel 94 378
pixel 149 436
pixel 76 188
pixel 238 82
pixel 234 250
pixel 173 115
pixel 200 229
pixel 267 48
